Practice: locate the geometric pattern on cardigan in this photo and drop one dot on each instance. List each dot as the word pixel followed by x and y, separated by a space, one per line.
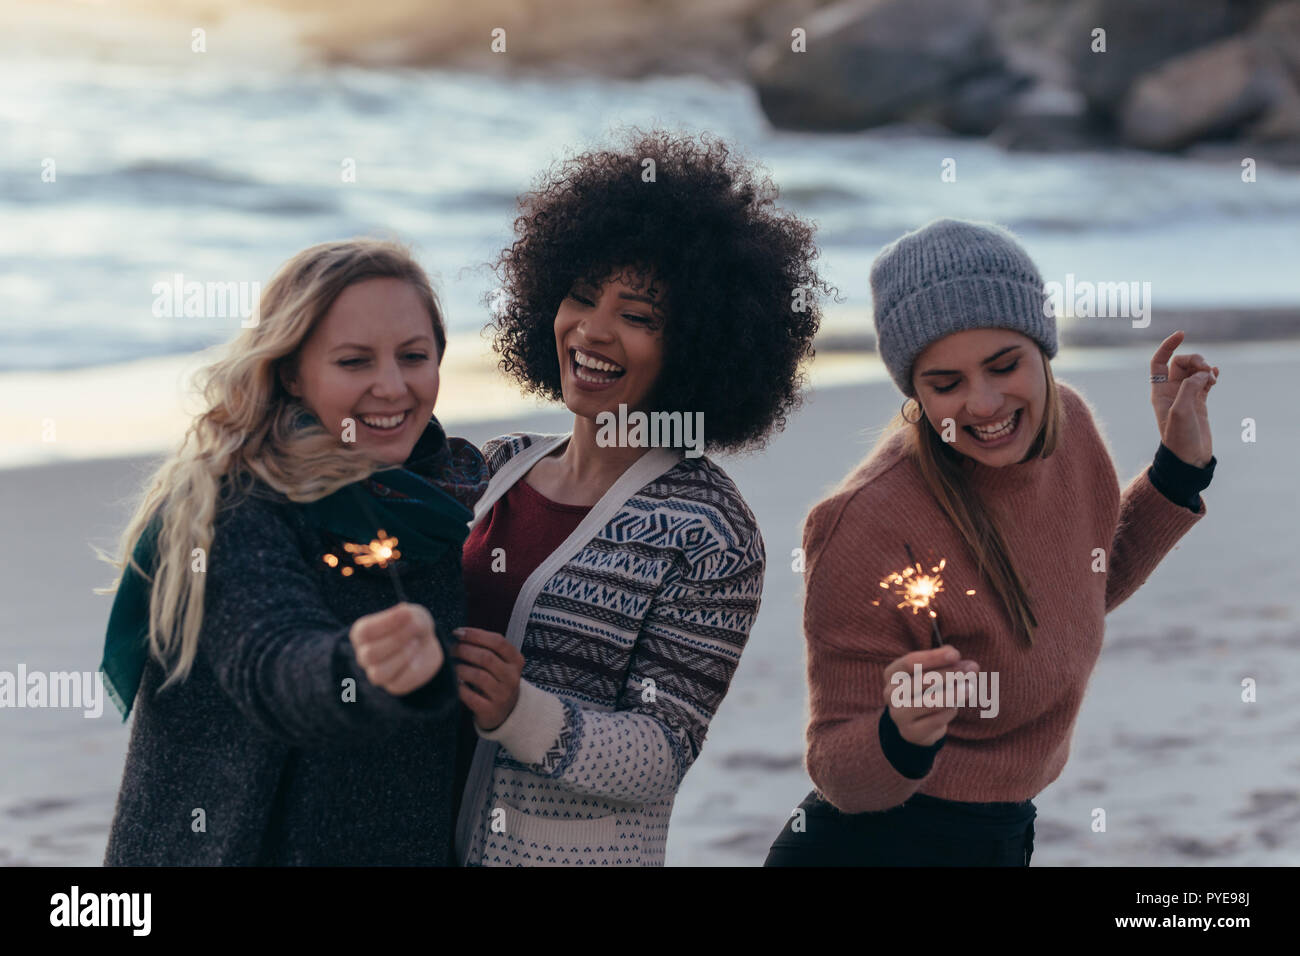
pixel 638 635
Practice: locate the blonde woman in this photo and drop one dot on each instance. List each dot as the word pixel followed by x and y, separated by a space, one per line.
pixel 1001 472
pixel 249 640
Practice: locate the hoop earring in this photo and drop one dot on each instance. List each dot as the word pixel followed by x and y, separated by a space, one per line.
pixel 902 410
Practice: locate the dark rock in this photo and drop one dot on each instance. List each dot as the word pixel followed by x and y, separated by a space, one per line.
pixel 872 62
pixel 980 103
pixel 1279 30
pixel 1212 92
pixel 1051 118
pixel 1141 35
pixel 1280 123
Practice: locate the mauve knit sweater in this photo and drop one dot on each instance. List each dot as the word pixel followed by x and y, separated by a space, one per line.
pixel 1053 513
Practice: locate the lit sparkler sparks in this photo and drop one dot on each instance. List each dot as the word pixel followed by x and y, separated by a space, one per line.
pixel 918 589
pixel 378 553
pixel 915 587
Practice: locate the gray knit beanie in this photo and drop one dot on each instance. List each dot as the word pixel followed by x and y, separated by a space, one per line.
pixel 949 276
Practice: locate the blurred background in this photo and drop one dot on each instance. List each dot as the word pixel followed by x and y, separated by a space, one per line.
pixel 140 141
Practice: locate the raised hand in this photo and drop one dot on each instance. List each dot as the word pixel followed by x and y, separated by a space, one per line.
pixel 1179 387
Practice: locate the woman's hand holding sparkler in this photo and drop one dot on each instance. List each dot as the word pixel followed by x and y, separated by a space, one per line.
pixel 398 648
pixel 921 725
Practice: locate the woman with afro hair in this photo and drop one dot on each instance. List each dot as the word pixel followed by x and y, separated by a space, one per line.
pixel 613 574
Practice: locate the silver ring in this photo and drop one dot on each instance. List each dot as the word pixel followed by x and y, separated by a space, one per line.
pixel 1159 378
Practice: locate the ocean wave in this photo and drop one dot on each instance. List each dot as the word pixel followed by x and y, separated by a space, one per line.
pixel 170 183
pixel 183 172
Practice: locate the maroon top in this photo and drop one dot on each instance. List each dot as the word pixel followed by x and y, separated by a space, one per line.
pixel 527 527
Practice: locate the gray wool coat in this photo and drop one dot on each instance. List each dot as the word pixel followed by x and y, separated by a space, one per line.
pixel 256 758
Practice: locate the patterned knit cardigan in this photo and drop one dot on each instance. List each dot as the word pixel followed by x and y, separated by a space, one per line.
pixel 631 631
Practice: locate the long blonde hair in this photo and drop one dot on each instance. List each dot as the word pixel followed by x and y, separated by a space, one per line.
pixel 254 429
pixel 941 467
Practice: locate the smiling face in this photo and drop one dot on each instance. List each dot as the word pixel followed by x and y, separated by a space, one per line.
pixel 372 358
pixel 992 384
pixel 610 344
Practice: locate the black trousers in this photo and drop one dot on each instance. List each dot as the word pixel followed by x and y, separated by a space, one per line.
pixel 924 831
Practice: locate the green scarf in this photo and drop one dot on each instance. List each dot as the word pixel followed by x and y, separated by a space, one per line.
pixel 405 502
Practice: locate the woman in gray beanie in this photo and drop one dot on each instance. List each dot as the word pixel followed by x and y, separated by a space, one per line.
pixel 998 492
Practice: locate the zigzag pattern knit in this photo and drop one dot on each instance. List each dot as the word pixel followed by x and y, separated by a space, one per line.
pixel 629 650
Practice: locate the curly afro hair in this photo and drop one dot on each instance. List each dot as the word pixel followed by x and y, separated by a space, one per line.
pixel 741 299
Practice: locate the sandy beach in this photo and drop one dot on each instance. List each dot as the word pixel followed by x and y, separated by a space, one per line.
pixel 162 160
pixel 143 407
pixel 1187 773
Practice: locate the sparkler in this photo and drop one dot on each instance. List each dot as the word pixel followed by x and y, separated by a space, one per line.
pixel 917 589
pixel 380 552
pixel 377 553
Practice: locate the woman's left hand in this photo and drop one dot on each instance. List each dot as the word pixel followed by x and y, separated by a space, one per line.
pixel 488 667
pixel 1181 415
